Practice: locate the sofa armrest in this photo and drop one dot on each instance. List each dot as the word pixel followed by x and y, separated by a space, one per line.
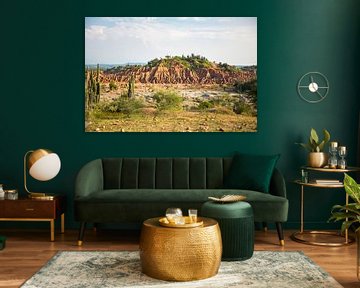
pixel 89 179
pixel 277 184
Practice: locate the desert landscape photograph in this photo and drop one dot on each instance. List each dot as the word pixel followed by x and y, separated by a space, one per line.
pixel 170 74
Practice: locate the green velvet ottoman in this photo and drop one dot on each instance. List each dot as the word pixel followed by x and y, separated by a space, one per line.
pixel 236 221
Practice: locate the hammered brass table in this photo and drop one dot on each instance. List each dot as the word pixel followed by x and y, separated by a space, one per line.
pixel 180 254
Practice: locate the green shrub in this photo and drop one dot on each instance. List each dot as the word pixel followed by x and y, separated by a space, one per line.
pixel 112 85
pixel 122 105
pixel 168 100
pixel 206 105
pixel 241 107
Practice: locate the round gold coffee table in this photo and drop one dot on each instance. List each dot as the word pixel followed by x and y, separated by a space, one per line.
pixel 180 254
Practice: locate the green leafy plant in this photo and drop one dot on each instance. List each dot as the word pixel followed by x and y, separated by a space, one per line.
pixel 168 100
pixel 349 214
pixel 314 144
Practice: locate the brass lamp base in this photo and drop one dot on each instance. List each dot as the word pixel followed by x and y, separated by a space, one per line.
pixel 41 196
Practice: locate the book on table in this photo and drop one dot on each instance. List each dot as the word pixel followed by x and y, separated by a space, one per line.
pixel 327 181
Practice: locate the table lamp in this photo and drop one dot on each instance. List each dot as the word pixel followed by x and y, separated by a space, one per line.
pixel 43 165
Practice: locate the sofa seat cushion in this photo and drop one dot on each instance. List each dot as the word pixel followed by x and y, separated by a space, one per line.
pixel 266 207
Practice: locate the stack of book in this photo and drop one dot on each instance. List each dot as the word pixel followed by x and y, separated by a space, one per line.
pixel 327 181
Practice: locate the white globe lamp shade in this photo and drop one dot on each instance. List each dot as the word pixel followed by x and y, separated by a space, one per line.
pixel 44 164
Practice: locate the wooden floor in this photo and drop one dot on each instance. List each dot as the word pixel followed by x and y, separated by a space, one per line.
pixel 28 250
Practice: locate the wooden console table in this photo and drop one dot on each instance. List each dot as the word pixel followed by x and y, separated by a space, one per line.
pixel 26 209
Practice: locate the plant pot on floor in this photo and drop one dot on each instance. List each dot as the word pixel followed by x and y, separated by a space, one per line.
pixel 317 159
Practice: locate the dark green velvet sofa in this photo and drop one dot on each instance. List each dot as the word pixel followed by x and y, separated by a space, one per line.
pixel 130 190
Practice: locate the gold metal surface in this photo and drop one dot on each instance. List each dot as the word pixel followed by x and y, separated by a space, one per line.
pixel 36 155
pixel 317 159
pixel 79 243
pixel 282 242
pixel 180 254
pixel 296 237
pixel 62 223
pixel 30 158
pixel 41 196
pixel 324 169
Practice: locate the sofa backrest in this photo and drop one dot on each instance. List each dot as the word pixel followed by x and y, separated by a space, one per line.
pixel 165 173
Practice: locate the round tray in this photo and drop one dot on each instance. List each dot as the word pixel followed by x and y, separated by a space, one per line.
pixel 228 198
pixel 164 222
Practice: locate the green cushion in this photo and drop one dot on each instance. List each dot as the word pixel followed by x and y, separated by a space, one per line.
pixel 251 172
pixel 218 210
pixel 140 204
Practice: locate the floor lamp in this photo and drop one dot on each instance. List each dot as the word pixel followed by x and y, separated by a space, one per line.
pixel 43 165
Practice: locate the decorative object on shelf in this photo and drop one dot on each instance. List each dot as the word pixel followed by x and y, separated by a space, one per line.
pixel 332 163
pixel 342 153
pixel 327 181
pixel 350 213
pixel 2 192
pixel 11 194
pixel 313 87
pixel 304 176
pixel 316 158
pixel 228 198
pixel 43 165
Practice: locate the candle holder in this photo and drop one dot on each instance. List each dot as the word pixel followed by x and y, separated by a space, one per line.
pixel 333 149
pixel 342 153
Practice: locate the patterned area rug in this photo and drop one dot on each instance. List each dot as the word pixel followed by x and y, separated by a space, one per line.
pixel 122 269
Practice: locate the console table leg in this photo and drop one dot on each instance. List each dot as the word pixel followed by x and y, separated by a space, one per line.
pixel 52 230
pixel 302 210
pixel 63 223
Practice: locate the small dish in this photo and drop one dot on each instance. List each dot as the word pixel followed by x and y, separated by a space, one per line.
pixel 228 198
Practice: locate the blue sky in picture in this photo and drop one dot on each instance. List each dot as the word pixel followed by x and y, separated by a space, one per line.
pixel 121 40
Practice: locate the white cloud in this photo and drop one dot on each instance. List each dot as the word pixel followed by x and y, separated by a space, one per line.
pixel 139 39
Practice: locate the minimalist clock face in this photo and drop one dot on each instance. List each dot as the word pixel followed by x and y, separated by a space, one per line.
pixel 313 87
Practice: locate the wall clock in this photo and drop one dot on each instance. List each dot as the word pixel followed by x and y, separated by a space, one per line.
pixel 313 87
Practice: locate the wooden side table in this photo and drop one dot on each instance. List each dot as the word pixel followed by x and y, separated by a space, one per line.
pixel 26 209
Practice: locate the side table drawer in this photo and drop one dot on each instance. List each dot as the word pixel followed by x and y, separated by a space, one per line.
pixel 30 209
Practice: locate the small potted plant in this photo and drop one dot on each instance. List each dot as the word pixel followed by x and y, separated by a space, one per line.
pixel 350 214
pixel 317 157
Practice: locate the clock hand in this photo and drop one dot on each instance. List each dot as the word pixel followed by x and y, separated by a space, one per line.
pixel 321 96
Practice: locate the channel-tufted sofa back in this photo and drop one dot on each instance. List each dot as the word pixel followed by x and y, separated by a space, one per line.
pixel 164 173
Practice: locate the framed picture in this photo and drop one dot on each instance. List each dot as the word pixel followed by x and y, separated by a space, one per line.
pixel 170 74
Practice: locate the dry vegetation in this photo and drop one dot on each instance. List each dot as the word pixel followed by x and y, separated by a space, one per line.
pixel 180 121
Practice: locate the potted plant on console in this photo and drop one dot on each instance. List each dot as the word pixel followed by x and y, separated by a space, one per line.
pixel 317 157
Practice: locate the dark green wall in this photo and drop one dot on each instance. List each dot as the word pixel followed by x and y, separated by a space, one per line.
pixel 42 49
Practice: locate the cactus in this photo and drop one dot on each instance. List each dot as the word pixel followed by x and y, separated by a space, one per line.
pixel 92 87
pixel 131 87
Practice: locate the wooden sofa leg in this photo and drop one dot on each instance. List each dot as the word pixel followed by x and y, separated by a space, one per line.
pixel 280 233
pixel 81 233
pixel 265 227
